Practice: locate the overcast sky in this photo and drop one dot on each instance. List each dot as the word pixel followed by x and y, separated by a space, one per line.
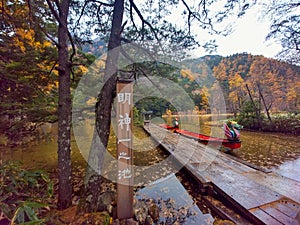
pixel 248 36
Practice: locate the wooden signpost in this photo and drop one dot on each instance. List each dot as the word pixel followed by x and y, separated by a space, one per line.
pixel 124 149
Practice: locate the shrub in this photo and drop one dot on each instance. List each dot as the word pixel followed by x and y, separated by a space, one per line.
pixel 22 193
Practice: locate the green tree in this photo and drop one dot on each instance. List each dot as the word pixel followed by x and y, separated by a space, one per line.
pixel 248 115
pixel 27 80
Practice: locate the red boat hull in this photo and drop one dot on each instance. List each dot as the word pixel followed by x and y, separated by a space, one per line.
pixel 204 138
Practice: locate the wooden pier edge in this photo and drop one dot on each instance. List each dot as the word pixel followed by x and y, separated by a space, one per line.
pixel 208 187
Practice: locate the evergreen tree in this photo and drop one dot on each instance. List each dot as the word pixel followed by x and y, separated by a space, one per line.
pixel 27 80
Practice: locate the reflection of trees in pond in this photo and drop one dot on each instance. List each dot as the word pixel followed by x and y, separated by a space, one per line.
pixel 261 149
pixel 267 149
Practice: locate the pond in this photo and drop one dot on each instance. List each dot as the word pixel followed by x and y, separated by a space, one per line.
pixel 276 151
pixel 149 157
pixel 40 156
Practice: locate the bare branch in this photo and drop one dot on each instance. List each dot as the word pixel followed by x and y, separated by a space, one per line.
pixel 196 16
pixel 81 14
pixel 102 3
pixel 131 17
pixel 122 27
pixel 138 68
pixel 53 11
pixel 145 21
pixel 73 46
pixel 53 67
pixel 190 14
pixel 98 12
pixel 31 16
pixel 49 36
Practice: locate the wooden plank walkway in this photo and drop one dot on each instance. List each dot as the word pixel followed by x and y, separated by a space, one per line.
pixel 267 198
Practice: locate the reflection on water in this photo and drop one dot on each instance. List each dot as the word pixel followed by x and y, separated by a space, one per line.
pixel 199 124
pixel 268 150
pixel 41 156
pixel 146 154
pixel 33 157
pixel 290 169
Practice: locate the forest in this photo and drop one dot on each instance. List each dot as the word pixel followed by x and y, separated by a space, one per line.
pixel 250 85
pixel 46 49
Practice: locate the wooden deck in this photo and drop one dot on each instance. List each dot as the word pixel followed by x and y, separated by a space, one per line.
pixel 266 198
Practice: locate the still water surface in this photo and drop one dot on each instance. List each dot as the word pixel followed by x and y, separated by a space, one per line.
pixel 278 152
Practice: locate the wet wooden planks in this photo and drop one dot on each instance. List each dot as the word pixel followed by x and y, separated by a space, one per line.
pixel 283 211
pixel 261 194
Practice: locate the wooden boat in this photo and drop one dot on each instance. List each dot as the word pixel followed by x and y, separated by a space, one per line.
pixel 232 144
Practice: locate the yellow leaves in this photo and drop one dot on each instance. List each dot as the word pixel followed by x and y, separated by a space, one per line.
pixel 29 36
pixel 233 96
pixel 205 97
pixel 20 44
pixel 99 63
pixel 236 87
pixel 236 81
pixel 47 89
pixel 293 92
pixel 25 38
pixel 23 33
pixel 91 101
pixel 186 73
pixel 168 112
pixel 47 44
pixel 82 69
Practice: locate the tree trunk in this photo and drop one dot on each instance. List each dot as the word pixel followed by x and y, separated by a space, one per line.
pixel 255 108
pixel 64 112
pixel 264 102
pixel 103 113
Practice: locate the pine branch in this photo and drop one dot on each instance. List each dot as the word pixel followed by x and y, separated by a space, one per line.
pixel 53 11
pixel 144 21
pixel 150 54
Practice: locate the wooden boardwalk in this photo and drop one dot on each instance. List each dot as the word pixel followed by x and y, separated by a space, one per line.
pixel 265 198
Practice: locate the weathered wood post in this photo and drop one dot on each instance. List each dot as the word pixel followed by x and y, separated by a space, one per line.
pixel 124 149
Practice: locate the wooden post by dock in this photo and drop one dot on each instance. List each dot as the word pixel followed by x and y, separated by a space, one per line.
pixel 124 149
